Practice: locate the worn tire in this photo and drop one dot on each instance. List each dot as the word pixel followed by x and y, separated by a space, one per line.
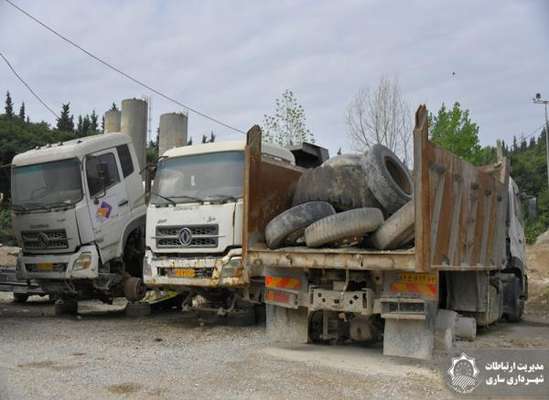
pixel 20 297
pixel 292 222
pixel 134 289
pixel 345 225
pixel 388 178
pixel 344 160
pixel 340 181
pixel 396 231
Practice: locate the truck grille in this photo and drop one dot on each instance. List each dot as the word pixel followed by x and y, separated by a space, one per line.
pixel 45 240
pixel 169 237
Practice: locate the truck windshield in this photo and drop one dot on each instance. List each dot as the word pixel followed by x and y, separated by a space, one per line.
pixel 50 184
pixel 201 177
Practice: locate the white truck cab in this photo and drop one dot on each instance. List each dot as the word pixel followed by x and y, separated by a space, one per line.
pixel 78 210
pixel 195 219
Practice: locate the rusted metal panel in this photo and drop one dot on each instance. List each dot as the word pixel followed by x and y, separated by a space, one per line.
pixel 323 258
pixel 268 189
pixel 460 208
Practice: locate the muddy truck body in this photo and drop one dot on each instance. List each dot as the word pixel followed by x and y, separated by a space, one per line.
pixel 78 213
pixel 467 256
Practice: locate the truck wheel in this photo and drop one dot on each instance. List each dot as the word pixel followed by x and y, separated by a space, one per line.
pixel 20 297
pixel 513 304
pixel 346 225
pixel 65 306
pixel 293 222
pixel 397 231
pixel 134 289
pixel 388 178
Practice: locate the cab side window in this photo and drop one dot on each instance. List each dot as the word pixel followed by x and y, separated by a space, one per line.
pixel 125 159
pixel 110 177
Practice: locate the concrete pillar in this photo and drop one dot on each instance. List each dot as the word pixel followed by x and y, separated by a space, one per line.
pixel 134 123
pixel 172 131
pixel 112 121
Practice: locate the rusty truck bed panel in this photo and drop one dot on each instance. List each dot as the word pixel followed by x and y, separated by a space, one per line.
pixel 460 208
pixel 351 258
pixel 460 214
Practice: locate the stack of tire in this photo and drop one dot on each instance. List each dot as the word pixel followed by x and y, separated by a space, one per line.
pixel 350 198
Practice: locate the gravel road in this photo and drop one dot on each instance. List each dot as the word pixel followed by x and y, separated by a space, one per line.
pixel 102 354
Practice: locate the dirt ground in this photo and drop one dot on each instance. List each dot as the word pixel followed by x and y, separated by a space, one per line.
pixel 102 354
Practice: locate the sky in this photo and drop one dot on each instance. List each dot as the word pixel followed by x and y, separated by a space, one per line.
pixel 232 59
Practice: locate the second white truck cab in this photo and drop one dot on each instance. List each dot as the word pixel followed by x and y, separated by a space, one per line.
pixel 78 211
pixel 195 219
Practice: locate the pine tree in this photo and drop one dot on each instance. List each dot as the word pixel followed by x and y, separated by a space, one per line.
pixel 86 123
pixel 204 139
pixel 515 147
pixel 190 141
pixel 65 122
pixel 339 151
pixel 212 136
pixel 79 129
pixel 22 112
pixel 93 123
pixel 103 124
pixel 9 106
pixel 114 108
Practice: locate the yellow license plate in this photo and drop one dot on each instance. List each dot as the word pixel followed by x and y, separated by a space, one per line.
pixel 184 272
pixel 44 267
pixel 414 277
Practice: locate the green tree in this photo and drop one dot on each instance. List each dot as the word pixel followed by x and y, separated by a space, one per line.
pixel 8 109
pixel 287 126
pixel 79 126
pixel 22 111
pixel 86 125
pixel 114 107
pixel 453 130
pixel 65 122
pixel 93 123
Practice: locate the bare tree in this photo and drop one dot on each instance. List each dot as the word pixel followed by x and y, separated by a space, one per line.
pixel 383 116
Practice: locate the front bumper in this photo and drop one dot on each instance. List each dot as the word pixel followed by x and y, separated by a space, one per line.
pixel 175 273
pixel 59 266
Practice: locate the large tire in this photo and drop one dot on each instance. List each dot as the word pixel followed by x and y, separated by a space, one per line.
pixel 340 181
pixel 348 224
pixel 397 231
pixel 20 297
pixel 292 222
pixel 134 289
pixel 388 178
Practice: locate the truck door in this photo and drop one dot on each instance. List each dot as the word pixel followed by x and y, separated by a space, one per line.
pixel 108 200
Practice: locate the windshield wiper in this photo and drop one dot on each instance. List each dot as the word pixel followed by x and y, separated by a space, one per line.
pixel 172 201
pixel 221 197
pixel 61 204
pixel 33 206
pixel 165 198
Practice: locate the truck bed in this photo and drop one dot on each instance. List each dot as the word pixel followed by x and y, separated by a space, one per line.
pixel 347 258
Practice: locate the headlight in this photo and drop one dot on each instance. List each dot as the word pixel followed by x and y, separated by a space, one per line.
pixel 84 261
pixel 233 268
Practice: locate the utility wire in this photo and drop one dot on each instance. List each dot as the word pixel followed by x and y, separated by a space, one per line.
pixel 124 74
pixel 27 86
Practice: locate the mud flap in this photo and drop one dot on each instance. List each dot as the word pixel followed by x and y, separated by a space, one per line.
pixel 287 325
pixel 408 338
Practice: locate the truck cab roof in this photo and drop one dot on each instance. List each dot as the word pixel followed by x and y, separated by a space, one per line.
pixel 70 149
pixel 268 149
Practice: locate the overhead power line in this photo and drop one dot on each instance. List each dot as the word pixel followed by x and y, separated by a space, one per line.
pixel 119 71
pixel 28 86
